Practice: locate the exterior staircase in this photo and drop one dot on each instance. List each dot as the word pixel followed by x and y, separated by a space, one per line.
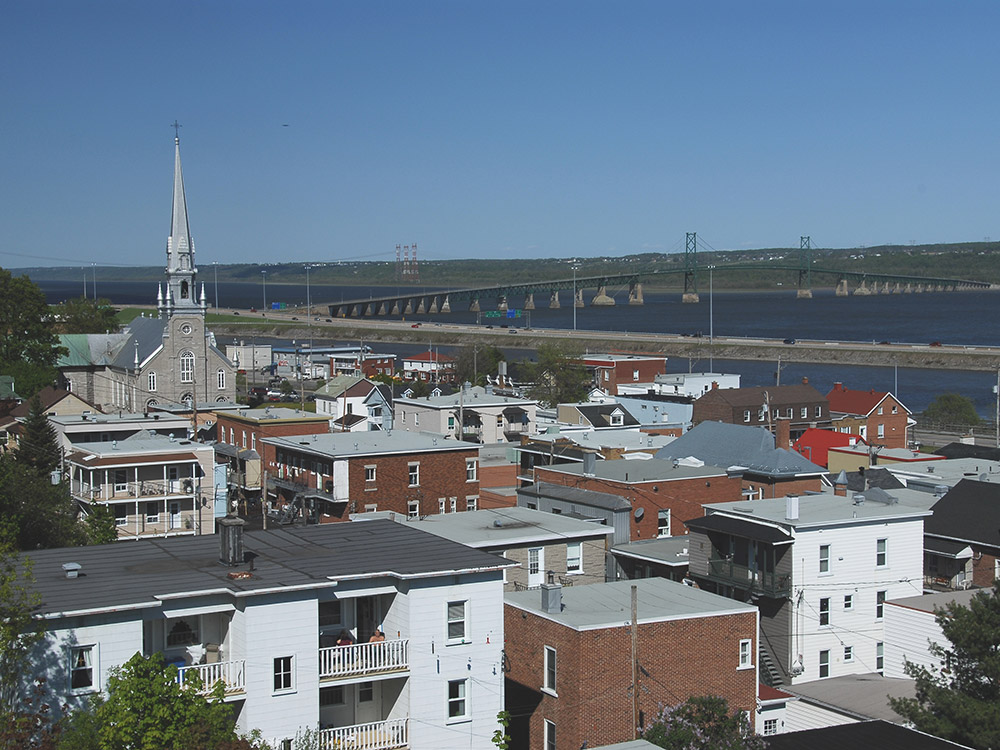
pixel 770 674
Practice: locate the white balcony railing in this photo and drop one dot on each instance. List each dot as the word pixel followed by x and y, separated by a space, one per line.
pixel 363 659
pixel 232 674
pixel 378 735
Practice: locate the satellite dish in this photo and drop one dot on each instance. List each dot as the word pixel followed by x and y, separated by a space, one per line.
pixel 639 513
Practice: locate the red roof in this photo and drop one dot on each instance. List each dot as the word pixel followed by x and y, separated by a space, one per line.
pixel 815 444
pixel 846 401
pixel 768 693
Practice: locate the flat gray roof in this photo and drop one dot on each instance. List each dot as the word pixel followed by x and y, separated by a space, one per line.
pixel 343 444
pixel 126 575
pixel 826 508
pixel 508 526
pixel 640 470
pixel 949 471
pixel 93 419
pixel 607 605
pixel 140 444
pixel 470 399
pixel 860 695
pixel 278 413
pixel 666 550
pixel 928 602
pixel 624 438
pixel 575 495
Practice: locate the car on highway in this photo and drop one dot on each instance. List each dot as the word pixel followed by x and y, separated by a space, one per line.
pixel 789 341
pixel 935 343
pixel 415 325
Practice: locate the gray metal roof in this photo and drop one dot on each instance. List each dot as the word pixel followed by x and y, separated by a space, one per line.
pixel 346 444
pixel 503 527
pixel 148 334
pixel 140 574
pixel 474 397
pixel 738 445
pixel 666 550
pixel 607 605
pixel 640 470
pixel 574 495
pixel 928 602
pixel 860 695
pixel 122 419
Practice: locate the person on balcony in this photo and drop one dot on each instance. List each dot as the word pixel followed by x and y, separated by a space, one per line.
pixel 377 637
pixel 344 639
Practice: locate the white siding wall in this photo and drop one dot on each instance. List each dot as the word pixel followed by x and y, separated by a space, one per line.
pixel 279 626
pixel 908 633
pixel 852 572
pixel 802 715
pixel 433 663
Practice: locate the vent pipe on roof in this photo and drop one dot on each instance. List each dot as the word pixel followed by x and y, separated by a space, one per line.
pixel 231 540
pixel 589 464
pixel 792 508
pixel 551 596
pixel 72 569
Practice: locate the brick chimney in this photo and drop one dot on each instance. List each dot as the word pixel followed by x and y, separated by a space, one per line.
pixel 805 380
pixel 838 386
pixel 782 438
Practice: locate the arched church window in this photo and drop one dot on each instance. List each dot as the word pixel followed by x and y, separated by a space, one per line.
pixel 221 376
pixel 184 290
pixel 187 366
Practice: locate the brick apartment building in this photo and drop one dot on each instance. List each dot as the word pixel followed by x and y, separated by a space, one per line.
pixel 878 417
pixel 801 406
pixel 325 478
pixel 570 678
pixel 610 370
pixel 662 494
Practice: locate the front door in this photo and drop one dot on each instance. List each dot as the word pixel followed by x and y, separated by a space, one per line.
pixel 536 567
pixel 368 617
pixel 368 702
pixel 174 509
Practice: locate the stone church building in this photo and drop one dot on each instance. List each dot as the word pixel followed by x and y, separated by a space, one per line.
pixel 167 359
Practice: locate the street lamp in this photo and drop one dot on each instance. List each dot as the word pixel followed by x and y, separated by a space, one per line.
pixel 215 269
pixel 574 297
pixel 263 282
pixel 711 320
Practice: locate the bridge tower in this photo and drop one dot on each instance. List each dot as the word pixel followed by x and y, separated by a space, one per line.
pixel 805 268
pixel 690 267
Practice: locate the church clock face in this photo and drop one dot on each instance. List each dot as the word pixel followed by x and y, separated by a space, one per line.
pixel 186 329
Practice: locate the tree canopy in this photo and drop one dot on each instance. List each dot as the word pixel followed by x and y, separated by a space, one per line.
pixel 83 315
pixel 951 409
pixel 28 343
pixel 558 377
pixel 38 446
pixel 474 363
pixel 702 723
pixel 961 702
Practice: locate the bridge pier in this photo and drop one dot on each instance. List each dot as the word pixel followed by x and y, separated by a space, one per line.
pixel 554 300
pixel 395 307
pixel 862 290
pixel 502 303
pixel 601 299
pixel 381 308
pixel 578 300
pixel 804 294
pixel 408 310
pixel 886 288
pixel 355 311
pixel 432 310
pixel 690 297
pixel 446 304
pixel 369 310
pixel 908 289
pixel 841 290
pixel 529 301
pixel 474 305
pixel 422 306
pixel 919 288
pixel 635 293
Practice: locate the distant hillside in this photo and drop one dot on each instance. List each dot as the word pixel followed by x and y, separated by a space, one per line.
pixel 979 261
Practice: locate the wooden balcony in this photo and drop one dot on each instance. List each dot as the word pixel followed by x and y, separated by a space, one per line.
pixel 756 581
pixel 232 674
pixel 363 660
pixel 377 735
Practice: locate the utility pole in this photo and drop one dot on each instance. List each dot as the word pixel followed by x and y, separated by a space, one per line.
pixel 635 662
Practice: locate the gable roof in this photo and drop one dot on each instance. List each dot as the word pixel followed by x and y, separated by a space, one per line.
pixel 599 415
pixel 881 734
pixel 964 450
pixel 336 386
pixel 862 403
pixel 730 445
pixel 969 512
pixel 7 388
pixel 48 397
pixel 754 396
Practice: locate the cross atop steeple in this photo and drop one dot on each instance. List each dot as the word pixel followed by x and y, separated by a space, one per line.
pixel 177 131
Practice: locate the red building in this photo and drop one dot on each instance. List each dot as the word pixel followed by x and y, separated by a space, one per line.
pixel 815 444
pixel 430 366
pixel 877 416
pixel 798 406
pixel 325 478
pixel 611 369
pixel 246 429
pixel 571 679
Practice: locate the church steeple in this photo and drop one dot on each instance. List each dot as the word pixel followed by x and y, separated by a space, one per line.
pixel 181 270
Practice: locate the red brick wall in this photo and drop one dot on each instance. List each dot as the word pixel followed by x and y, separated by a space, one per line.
pixel 504 475
pixel 684 658
pixel 683 497
pixel 983 569
pixel 281 429
pixel 782 487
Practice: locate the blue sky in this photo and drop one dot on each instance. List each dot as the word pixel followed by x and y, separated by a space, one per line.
pixel 486 129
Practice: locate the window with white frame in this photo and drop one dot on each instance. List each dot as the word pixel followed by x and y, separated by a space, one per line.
pixel 81 669
pixel 819 411
pixel 187 366
pixel 453 504
pixel 413 509
pixel 574 557
pixel 881 552
pixel 824 611
pixel 220 378
pixel 880 432
pixel 663 523
pixel 472 502
pixel 550 669
pixel 635 375
pixel 746 653
pixel 880 411
pixel 824 558
pixel 244 439
pixel 370 473
pixel 456 620
pixel 879 604
pixel 746 415
pixel 441 504
pixel 550 735
pixel 471 469
pixel 770 727
pixel 121 515
pixel 152 512
pixel 414 475
pixel 151 382
pixel 824 663
pixel 121 480
pixel 848 602
pixel 848 653
pixel 879 656
pixel 284 674
pixel 804 412
pixel 416 419
pixel 534 561
pixel 458 699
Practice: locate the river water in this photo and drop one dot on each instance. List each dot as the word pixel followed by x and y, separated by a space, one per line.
pixel 948 317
